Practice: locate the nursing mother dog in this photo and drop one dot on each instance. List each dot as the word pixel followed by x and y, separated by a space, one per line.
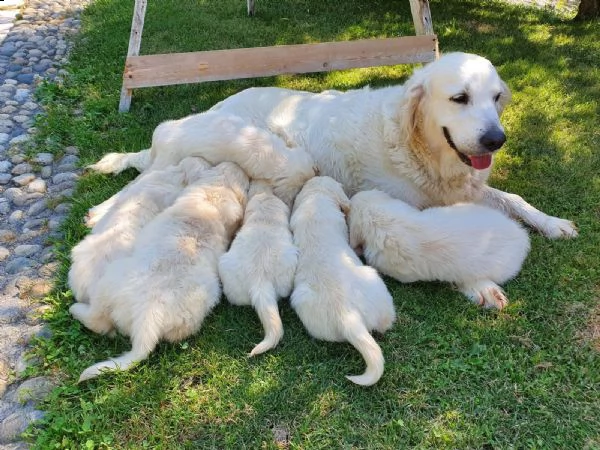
pixel 429 142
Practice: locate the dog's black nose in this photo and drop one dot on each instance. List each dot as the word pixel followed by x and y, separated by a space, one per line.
pixel 493 139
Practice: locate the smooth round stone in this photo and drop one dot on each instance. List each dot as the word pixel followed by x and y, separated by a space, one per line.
pixel 5 178
pixel 16 216
pixel 44 158
pixel 37 185
pixel 37 208
pixel 25 78
pixel 27 249
pixel 24 180
pixel 4 137
pixel 18 265
pixel 4 253
pixel 7 236
pixel 21 169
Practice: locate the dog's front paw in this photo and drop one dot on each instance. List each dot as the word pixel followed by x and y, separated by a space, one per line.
pixel 555 228
pixel 486 294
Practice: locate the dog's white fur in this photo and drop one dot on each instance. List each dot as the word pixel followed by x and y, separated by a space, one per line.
pixel 470 245
pixel 168 285
pixel 220 137
pixel 259 267
pixel 118 221
pixel 336 297
pixel 390 139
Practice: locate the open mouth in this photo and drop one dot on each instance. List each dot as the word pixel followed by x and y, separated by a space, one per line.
pixel 478 162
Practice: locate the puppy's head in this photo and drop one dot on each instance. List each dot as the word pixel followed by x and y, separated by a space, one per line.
pixel 299 168
pixel 455 104
pixel 193 167
pixel 236 179
pixel 328 187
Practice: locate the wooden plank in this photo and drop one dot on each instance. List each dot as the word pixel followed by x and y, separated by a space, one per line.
pixel 421 17
pixel 135 41
pixel 195 67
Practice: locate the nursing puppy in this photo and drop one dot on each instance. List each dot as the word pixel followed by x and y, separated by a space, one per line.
pixel 260 265
pixel 429 142
pixel 221 137
pixel 336 297
pixel 118 221
pixel 472 246
pixel 168 285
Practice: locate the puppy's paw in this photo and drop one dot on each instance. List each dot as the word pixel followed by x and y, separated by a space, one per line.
pixel 555 228
pixel 486 294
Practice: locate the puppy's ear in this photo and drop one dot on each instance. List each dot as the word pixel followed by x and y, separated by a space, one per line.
pixel 343 201
pixel 505 97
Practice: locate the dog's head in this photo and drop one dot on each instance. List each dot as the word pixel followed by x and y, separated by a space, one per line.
pixel 328 187
pixel 455 104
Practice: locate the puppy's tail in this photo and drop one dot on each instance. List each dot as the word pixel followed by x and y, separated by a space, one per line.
pixel 145 337
pixel 264 301
pixel 358 335
pixel 117 162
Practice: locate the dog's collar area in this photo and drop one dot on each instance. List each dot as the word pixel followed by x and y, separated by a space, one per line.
pixel 464 158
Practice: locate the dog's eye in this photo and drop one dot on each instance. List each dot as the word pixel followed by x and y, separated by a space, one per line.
pixel 497 97
pixel 460 98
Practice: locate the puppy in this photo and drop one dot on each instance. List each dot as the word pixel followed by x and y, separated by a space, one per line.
pixel 471 245
pixel 220 137
pixel 260 265
pixel 168 285
pixel 336 297
pixel 118 221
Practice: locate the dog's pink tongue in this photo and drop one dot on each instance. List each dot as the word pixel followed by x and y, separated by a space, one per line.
pixel 481 162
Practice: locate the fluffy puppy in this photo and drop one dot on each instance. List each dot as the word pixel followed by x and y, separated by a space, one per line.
pixel 260 265
pixel 471 245
pixel 118 221
pixel 220 137
pixel 336 297
pixel 168 285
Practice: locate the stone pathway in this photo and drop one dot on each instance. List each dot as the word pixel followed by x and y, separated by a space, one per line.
pixel 34 188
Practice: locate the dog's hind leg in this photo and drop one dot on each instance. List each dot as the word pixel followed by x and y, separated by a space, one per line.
pixel 117 162
pixel 264 300
pixel 484 293
pixel 91 318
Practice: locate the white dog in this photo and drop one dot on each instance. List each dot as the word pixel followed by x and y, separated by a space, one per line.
pixel 429 142
pixel 336 297
pixel 221 137
pixel 165 289
pixel 118 221
pixel 260 265
pixel 470 245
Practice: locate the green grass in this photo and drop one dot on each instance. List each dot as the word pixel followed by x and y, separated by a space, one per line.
pixel 456 376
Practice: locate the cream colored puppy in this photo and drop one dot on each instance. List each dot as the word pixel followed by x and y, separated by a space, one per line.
pixel 336 297
pixel 220 137
pixel 118 222
pixel 470 245
pixel 165 289
pixel 260 265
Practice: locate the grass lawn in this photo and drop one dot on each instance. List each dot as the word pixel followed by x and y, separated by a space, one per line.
pixel 456 376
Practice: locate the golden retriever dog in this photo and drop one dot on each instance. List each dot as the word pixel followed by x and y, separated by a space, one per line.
pixel 170 283
pixel 117 222
pixel 470 245
pixel 259 267
pixel 218 138
pixel 429 142
pixel 337 297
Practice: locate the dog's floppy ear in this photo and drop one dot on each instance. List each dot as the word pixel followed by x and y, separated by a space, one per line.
pixel 410 106
pixel 505 97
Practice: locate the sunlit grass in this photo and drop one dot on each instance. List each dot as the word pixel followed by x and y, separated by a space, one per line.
pixel 456 376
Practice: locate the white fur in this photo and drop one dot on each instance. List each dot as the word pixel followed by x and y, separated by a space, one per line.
pixel 470 245
pixel 168 285
pixel 389 139
pixel 260 265
pixel 336 297
pixel 220 137
pixel 118 221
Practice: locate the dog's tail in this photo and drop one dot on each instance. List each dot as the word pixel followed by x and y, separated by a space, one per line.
pixel 264 301
pixel 144 338
pixel 117 162
pixel 358 335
